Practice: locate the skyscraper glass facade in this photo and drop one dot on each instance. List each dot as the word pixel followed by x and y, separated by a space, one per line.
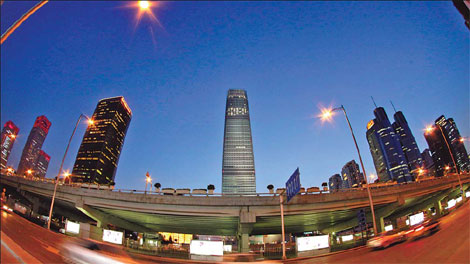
pixel 42 164
pixel 9 133
pixel 385 147
pixel 408 143
pixel 238 165
pixel 446 129
pixel 99 152
pixel 33 145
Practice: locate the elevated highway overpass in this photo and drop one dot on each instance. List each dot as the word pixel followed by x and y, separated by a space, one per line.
pixel 237 215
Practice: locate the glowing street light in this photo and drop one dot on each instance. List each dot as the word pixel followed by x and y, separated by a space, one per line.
pixel 66 174
pixel 13 136
pixel 143 5
pixel 29 172
pixel 326 115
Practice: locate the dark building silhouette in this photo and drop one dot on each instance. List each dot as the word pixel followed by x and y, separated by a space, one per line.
pixel 428 163
pixel 408 143
pixel 33 145
pixel 41 164
pixel 446 130
pixel 385 147
pixel 352 176
pixel 99 152
pixel 335 182
pixel 238 164
pixel 9 133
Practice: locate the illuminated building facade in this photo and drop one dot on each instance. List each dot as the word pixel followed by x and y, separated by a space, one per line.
pixel 99 152
pixel 335 182
pixel 9 134
pixel 41 164
pixel 408 143
pixel 385 147
pixel 439 150
pixel 351 175
pixel 238 165
pixel 33 145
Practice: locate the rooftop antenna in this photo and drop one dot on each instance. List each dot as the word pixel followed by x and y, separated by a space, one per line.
pixel 393 106
pixel 374 101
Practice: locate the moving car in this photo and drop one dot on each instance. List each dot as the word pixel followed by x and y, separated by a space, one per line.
pixel 386 239
pixel 90 252
pixel 6 208
pixel 427 228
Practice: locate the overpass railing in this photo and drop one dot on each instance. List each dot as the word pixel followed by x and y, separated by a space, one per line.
pixel 205 192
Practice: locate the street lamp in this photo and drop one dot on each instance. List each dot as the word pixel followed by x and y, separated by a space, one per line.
pixel 430 129
pixel 147 181
pixel 66 174
pixel 29 172
pixel 327 115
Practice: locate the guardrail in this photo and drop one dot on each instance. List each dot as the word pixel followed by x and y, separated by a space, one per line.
pixel 204 192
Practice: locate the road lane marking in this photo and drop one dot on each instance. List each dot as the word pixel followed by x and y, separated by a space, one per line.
pixel 11 252
pixel 14 248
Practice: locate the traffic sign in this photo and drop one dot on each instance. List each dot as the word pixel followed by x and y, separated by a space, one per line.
pixel 293 185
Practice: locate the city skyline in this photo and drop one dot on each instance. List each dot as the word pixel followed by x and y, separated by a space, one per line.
pixel 286 134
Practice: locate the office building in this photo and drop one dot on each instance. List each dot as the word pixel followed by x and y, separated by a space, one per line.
pixel 408 143
pixel 442 136
pixel 33 146
pixel 41 164
pixel 352 176
pixel 98 155
pixel 463 6
pixel 9 134
pixel 385 147
pixel 238 165
pixel 335 182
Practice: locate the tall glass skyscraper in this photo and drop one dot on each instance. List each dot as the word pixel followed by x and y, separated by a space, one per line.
pixel 385 147
pixel 440 151
pixel 98 155
pixel 42 164
pixel 9 133
pixel 408 142
pixel 238 165
pixel 33 145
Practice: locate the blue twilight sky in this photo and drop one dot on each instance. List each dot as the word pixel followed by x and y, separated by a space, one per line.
pixel 291 57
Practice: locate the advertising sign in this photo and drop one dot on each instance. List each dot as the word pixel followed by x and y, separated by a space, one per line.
pixel 312 243
pixel 416 219
pixel 207 248
pixel 111 236
pixel 72 227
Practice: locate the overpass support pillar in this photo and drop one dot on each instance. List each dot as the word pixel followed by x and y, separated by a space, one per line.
pixel 245 226
pixel 438 207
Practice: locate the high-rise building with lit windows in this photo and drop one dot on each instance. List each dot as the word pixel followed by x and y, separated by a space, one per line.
pixel 99 152
pixel 387 153
pixel 238 165
pixel 408 143
pixel 41 164
pixel 335 182
pixel 352 176
pixel 33 146
pixel 436 139
pixel 9 133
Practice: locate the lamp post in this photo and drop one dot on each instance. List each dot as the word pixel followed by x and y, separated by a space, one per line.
pixel 18 22
pixel 326 115
pixel 90 122
pixel 430 129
